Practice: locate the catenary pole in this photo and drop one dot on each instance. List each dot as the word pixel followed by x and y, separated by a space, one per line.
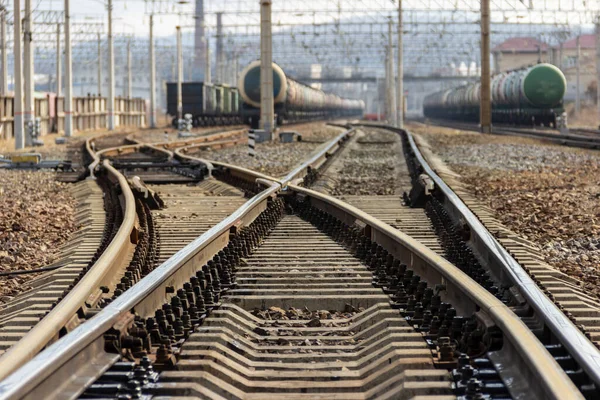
pixel 111 71
pixel 29 82
pixel 152 76
pixel 18 77
pixel 486 94
pixel 68 100
pixel 400 78
pixel 99 65
pixel 578 79
pixel 129 77
pixel 392 77
pixel 58 62
pixel 4 55
pixel 179 75
pixel 267 113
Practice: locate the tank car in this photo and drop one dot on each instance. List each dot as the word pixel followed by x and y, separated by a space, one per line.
pixel 293 101
pixel 528 96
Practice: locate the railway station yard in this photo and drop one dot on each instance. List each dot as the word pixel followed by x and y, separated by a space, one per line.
pixel 547 193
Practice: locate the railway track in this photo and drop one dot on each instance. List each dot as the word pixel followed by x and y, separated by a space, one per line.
pixel 116 245
pixel 247 310
pixel 576 138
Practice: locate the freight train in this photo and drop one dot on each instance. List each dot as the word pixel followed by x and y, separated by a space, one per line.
pixel 211 104
pixel 293 101
pixel 208 104
pixel 529 96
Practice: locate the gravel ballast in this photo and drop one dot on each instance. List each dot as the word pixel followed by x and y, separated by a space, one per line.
pixel 371 165
pixel 276 158
pixel 36 218
pixel 549 194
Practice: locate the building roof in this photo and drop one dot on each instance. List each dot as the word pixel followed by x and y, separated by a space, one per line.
pixel 585 42
pixel 521 45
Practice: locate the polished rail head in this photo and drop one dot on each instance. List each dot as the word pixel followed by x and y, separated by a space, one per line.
pixel 317 158
pixel 25 379
pixel 579 346
pixel 551 378
pixel 50 325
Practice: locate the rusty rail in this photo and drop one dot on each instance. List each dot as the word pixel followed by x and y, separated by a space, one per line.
pixel 50 373
pixel 540 370
pixel 101 273
pixel 536 371
pixel 536 366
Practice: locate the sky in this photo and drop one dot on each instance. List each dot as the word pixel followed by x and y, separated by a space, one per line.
pixel 130 16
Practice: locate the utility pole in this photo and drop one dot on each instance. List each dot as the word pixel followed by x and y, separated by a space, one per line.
pixel 400 82
pixel 4 55
pixel 152 76
pixel 578 66
pixel 391 84
pixel 236 59
pixel 207 71
pixel 68 101
pixel 598 66
pixel 386 88
pixel 29 111
pixel 560 56
pixel 199 43
pixel 58 62
pixel 497 60
pixel 111 71
pixel 486 79
pixel 220 78
pixel 18 77
pixel 378 98
pixel 173 68
pixel 99 65
pixel 179 75
pixel 267 113
pixel 129 77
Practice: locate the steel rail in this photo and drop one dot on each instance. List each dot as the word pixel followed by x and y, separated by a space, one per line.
pixel 245 173
pixel 228 131
pixel 576 343
pixel 56 357
pixel 40 370
pixel 549 375
pixel 101 273
pixel 570 139
pixel 158 146
pixel 319 157
pixel 105 267
pixel 121 150
pixel 316 159
pixel 199 139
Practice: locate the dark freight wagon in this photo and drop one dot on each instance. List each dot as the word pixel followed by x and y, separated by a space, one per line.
pixel 207 103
